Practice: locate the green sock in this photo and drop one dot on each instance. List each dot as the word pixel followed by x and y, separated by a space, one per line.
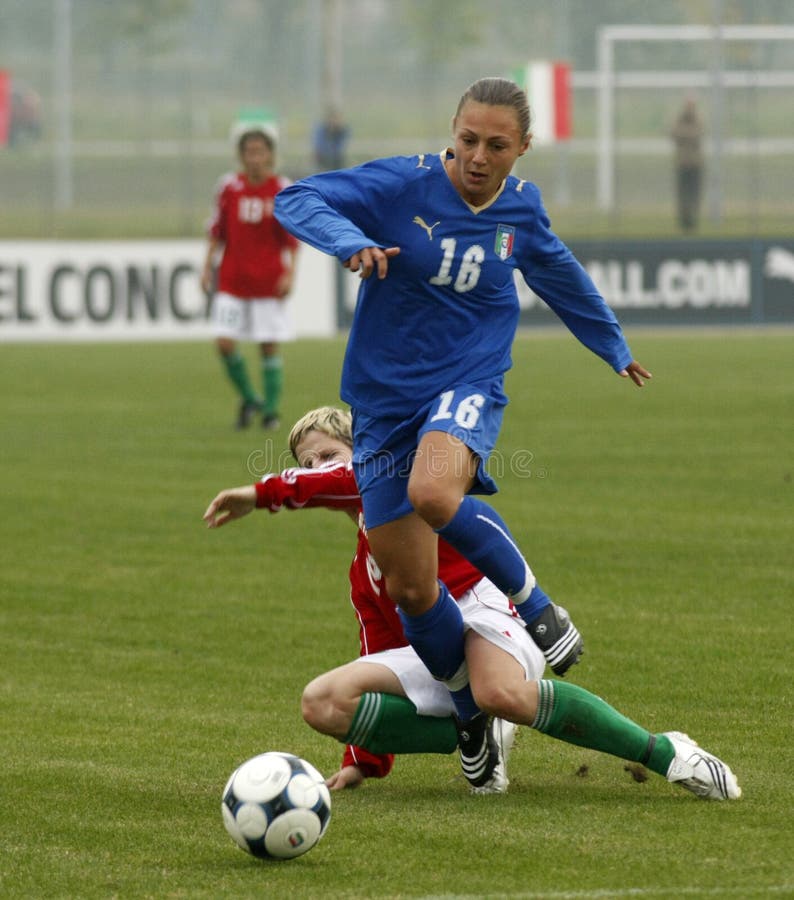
pixel 272 383
pixel 238 373
pixel 572 714
pixel 386 723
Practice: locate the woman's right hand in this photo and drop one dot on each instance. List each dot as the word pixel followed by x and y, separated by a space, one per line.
pixel 369 259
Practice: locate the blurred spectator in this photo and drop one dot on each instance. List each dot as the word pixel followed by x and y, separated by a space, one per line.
pixel 687 135
pixel 330 141
pixel 25 114
pixel 20 108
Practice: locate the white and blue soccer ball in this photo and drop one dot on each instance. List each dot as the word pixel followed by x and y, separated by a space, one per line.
pixel 276 806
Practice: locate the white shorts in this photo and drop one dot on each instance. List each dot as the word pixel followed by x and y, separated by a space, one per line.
pixel 261 320
pixel 485 610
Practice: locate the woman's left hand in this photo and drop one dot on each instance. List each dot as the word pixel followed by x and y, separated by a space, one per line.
pixel 636 372
pixel 347 777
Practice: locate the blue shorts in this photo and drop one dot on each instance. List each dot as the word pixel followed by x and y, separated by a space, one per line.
pixel 384 448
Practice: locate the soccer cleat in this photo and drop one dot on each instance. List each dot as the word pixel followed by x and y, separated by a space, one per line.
pixel 504 733
pixel 244 415
pixel 479 753
pixel 558 638
pixel 482 757
pixel 700 772
pixel 271 422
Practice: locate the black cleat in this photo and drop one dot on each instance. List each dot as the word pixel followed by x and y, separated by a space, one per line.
pixel 479 751
pixel 246 412
pixel 558 638
pixel 271 422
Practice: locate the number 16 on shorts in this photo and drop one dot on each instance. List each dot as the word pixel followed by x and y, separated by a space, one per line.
pixel 472 416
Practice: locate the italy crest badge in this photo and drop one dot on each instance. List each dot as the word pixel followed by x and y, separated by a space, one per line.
pixel 503 245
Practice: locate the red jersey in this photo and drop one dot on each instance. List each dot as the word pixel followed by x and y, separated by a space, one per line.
pixel 334 487
pixel 254 241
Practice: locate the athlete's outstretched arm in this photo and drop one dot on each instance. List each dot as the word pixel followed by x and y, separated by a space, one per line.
pixel 328 210
pixel 304 212
pixel 332 487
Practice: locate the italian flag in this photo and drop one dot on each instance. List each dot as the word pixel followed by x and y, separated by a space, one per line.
pixel 548 87
pixel 5 107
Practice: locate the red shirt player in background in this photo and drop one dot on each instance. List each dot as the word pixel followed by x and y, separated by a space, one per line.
pixel 255 274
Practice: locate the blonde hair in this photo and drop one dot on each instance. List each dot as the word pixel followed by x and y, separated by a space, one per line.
pixel 336 423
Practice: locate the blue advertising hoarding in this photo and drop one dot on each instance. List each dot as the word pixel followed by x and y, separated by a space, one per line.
pixel 672 282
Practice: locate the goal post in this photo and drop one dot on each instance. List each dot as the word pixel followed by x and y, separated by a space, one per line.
pixel 609 78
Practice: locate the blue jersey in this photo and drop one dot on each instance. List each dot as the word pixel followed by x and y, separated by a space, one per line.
pixel 447 311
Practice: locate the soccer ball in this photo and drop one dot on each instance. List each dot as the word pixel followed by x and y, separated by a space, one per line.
pixel 276 806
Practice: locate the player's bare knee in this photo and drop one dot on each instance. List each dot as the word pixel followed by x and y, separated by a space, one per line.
pixel 432 501
pixel 317 705
pixel 498 700
pixel 329 703
pixel 413 596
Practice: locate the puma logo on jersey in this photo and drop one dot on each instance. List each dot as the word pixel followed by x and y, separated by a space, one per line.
pixel 418 220
pixel 421 163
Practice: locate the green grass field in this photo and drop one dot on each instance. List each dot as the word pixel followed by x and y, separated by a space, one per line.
pixel 143 657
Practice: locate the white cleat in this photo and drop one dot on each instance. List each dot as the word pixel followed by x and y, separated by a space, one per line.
pixel 700 772
pixel 503 733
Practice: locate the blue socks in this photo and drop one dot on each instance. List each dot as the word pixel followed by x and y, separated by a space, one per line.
pixel 465 706
pixel 437 636
pixel 479 533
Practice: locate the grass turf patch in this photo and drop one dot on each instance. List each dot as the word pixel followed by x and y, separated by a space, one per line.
pixel 144 657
